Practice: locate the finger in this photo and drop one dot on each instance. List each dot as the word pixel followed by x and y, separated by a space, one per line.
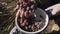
pixel 54 11
pixel 49 8
pixel 26 14
pixel 30 11
pixel 22 13
pixel 17 14
pixel 16 7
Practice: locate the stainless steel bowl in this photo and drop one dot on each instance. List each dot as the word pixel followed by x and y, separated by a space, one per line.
pixel 38 12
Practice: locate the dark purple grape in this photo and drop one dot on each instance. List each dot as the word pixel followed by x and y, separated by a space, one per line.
pixel 40 25
pixel 25 1
pixel 21 20
pixel 26 21
pixel 33 10
pixel 32 6
pixel 29 26
pixel 26 27
pixel 27 8
pixel 30 11
pixel 33 27
pixel 36 23
pixel 23 24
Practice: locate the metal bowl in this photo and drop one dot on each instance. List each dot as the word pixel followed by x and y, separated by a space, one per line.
pixel 37 12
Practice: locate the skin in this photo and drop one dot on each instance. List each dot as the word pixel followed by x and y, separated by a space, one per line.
pixel 55 9
pixel 21 13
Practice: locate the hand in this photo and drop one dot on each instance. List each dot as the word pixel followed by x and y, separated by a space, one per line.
pixel 55 9
pixel 19 10
pixel 24 10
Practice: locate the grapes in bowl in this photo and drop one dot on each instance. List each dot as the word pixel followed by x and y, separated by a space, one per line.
pixel 35 23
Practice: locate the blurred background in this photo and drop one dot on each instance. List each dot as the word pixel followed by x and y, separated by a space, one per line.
pixel 7 15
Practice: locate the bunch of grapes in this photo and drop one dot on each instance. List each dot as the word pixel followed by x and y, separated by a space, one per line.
pixel 29 24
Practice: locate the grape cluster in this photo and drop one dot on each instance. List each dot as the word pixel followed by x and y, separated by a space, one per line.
pixel 27 5
pixel 29 24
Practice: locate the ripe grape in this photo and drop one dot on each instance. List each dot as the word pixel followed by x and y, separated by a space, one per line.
pixel 25 1
pixel 28 9
pixel 21 20
pixel 26 27
pixel 26 22
pixel 29 26
pixel 32 6
pixel 36 23
pixel 33 27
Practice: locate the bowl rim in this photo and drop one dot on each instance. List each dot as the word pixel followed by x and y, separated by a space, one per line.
pixel 46 23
